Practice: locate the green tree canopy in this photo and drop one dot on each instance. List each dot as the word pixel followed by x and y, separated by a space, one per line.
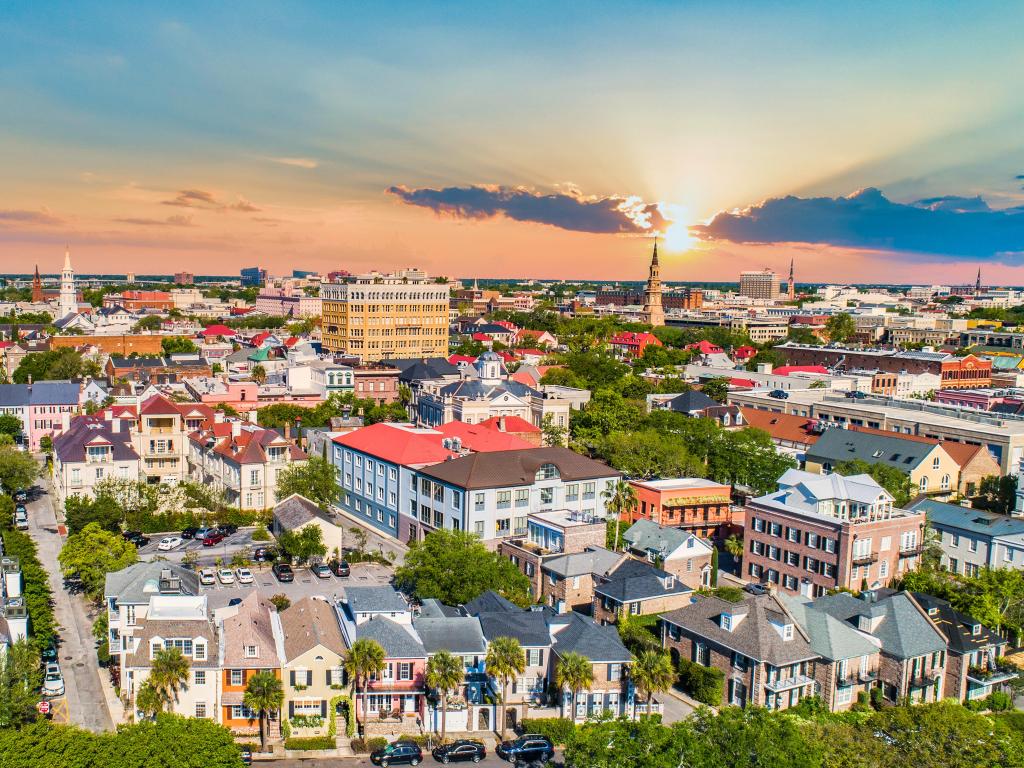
pixel 316 480
pixel 17 469
pixel 840 327
pixel 61 363
pixel 91 554
pixel 10 425
pixel 455 567
pixel 20 679
pixel 304 544
pixel 178 345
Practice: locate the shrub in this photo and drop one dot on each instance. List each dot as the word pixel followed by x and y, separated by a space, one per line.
pixel 861 705
pixel 555 728
pixel 999 701
pixel 261 534
pixel 311 742
pixel 877 698
pixel 369 745
pixel 705 684
pixel 975 705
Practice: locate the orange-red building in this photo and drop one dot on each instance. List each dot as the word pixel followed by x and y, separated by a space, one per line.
pixel 968 372
pixel 134 301
pixel 701 507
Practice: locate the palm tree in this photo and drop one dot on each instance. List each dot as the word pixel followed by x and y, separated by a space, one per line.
pixel 505 660
pixel 258 374
pixel 364 659
pixel 575 673
pixel 147 700
pixel 652 673
pixel 445 674
pixel 168 673
pixel 263 694
pixel 620 498
pixel 734 546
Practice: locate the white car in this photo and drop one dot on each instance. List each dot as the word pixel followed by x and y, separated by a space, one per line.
pixel 168 543
pixel 226 576
pixel 207 577
pixel 244 576
pixel 53 680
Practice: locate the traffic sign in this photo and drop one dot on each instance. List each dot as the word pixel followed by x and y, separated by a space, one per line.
pixel 43 707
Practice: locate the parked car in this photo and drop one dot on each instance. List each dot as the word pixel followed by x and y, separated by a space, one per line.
pixel 283 572
pixel 399 753
pixel 49 653
pixel 856 394
pixel 321 571
pixel 207 577
pixel 167 543
pixel 340 568
pixel 129 535
pixel 21 521
pixel 212 538
pixel 226 576
pixel 190 532
pixel 201 532
pixel 53 680
pixel 526 749
pixel 21 508
pixel 460 751
pixel 264 554
pixel 756 589
pixel 244 576
pixel 246 756
pixel 229 529
pixel 21 495
pixel 138 539
pixel 779 394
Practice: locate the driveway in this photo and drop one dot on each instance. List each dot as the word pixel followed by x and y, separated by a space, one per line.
pixel 85 700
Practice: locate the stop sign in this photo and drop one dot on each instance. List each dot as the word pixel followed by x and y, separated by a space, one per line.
pixel 43 707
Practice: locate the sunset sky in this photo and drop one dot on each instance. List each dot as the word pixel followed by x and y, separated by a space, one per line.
pixel 869 141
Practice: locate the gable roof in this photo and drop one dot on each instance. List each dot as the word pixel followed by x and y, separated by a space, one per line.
pixel 830 638
pixel 530 628
pixel 397 641
pixel 375 600
pixel 781 426
pixel 39 393
pixel 253 624
pixel 396 445
pixel 837 445
pixel 490 602
pixel 694 400
pixel 512 424
pixel 755 636
pixel 478 437
pixel 957 627
pixel 647 535
pixel 308 623
pixel 977 521
pixel 504 468
pixel 584 636
pixel 70 445
pixel 458 634
pixel 597 560
pixel 296 510
pixel 140 581
pixel 635 580
pixel 903 629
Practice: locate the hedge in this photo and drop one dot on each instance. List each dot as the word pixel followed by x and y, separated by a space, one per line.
pixel 36 586
pixel 555 728
pixel 369 745
pixel 705 684
pixel 310 742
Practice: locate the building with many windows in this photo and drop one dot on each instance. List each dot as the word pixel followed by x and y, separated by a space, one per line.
pixel 761 284
pixel 380 316
pixel 822 532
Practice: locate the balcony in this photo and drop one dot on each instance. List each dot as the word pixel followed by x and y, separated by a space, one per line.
pixel 925 679
pixel 788 683
pixel 992 675
pixel 912 551
pixel 870 557
pixel 867 675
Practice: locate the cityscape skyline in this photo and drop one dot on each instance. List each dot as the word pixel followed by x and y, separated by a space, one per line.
pixel 861 143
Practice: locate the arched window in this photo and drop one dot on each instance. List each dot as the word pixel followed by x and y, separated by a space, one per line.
pixel 945 482
pixel 923 484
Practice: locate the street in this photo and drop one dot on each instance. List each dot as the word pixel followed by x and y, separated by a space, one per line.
pixel 358 762
pixel 83 703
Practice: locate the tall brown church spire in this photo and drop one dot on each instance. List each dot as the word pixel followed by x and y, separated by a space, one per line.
pixel 37 288
pixel 653 314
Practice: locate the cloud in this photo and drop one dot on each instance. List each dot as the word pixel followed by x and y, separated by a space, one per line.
pixel 948 226
pixel 298 162
pixel 243 205
pixel 569 210
pixel 170 221
pixel 29 217
pixel 194 198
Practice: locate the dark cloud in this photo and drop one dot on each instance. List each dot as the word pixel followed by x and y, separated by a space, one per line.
pixel 170 221
pixel 29 217
pixel 941 226
pixel 565 210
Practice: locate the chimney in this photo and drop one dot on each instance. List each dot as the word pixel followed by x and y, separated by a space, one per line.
pixel 501 423
pixel 252 416
pixel 12 576
pixel 764 367
pixel 236 428
pixel 30 382
pixel 287 430
pixel 65 421
pixel 115 425
pixel 218 417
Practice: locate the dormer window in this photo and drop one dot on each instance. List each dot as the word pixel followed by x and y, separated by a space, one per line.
pixel 787 632
pixel 976 629
pixel 726 622
pixel 864 623
pixel 933 611
pixel 547 472
pixel 251 651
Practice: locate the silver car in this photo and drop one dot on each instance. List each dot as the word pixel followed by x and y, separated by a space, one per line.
pixel 53 680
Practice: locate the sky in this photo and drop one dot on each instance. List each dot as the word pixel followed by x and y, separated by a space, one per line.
pixel 866 142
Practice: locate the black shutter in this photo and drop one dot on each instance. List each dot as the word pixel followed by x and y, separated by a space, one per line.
pixel 328 677
pixel 323 708
pixel 291 708
pixel 292 673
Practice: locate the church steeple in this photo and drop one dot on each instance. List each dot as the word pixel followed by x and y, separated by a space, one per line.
pixel 791 288
pixel 37 288
pixel 977 283
pixel 653 314
pixel 68 294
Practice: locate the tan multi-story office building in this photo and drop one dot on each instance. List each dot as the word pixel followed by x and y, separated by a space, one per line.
pixel 378 316
pixel 763 284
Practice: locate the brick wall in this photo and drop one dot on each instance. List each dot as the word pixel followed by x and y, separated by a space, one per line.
pixel 142 343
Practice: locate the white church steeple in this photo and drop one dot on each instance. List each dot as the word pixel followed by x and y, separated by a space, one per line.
pixel 68 294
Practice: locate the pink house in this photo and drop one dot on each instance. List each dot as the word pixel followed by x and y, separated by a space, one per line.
pixel 44 407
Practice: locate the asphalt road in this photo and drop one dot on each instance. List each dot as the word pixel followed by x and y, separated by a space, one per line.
pixel 83 700
pixel 359 762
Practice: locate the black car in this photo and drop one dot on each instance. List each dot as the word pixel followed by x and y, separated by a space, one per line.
pixel 49 652
pixel 779 394
pixel 526 749
pixel 21 495
pixel 136 538
pixel 340 568
pixel 264 554
pixel 246 756
pixel 228 529
pixel 129 535
pixel 856 394
pixel 399 753
pixel 460 751
pixel 283 572
pixel 190 532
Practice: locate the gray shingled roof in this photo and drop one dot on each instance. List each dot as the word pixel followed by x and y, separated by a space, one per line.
pixel 39 393
pixel 635 580
pixel 831 638
pixel 375 600
pixel 958 627
pixel 490 602
pixel 140 581
pixel 295 511
pixel 754 636
pixel 585 636
pixel 691 401
pixel 530 628
pixel 500 469
pixel 892 450
pixel 397 641
pixel 595 560
pixel 69 446
pixel 903 631
pixel 458 634
pixel 644 535
pixel 976 521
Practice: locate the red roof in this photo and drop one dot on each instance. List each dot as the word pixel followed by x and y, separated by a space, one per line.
pixel 218 330
pixel 481 438
pixel 785 370
pixel 531 333
pixel 512 424
pixel 259 338
pixel 506 324
pixel 742 383
pixel 456 359
pixel 743 353
pixel 159 405
pixel 291 341
pixel 235 311
pixel 538 352
pixel 395 444
pixel 481 337
pixel 634 338
pixel 705 347
pixel 508 357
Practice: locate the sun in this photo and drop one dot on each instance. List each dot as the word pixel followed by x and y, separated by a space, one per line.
pixel 677 236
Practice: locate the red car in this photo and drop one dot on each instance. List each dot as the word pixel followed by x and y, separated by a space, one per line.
pixel 216 537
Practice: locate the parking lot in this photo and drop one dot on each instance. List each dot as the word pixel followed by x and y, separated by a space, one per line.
pixel 240 540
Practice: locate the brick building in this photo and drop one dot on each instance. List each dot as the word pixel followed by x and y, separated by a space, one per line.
pixel 698 506
pixel 822 532
pixel 639 589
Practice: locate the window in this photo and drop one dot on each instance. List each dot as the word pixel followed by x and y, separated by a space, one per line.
pixel 954 540
pixel 572 492
pixel 478 529
pixel 523 497
pixel 404 670
pixel 478 502
pixel 200 709
pixel 534 657
pixel 504 499
pixel 199 654
pixel 547 496
pixel 200 677
pixel 793 534
pixel 972 545
pixel 776 529
pixel 935 463
pixel 588 490
pixel 789 582
pixel 923 484
pixel 456 499
pixel 254 477
pixel 251 652
pixel 502 526
pixel 614 672
pixel 883 569
pixel 236 677
pixel 758 524
pixel 812 540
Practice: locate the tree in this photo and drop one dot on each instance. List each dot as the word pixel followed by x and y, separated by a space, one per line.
pixel 62 363
pixel 734 546
pixel 892 479
pixel 364 658
pixel 445 674
pixel 17 469
pixel 167 673
pixel 505 659
pixel 455 567
pixel 747 738
pixel 714 566
pixel 79 511
pixel 840 327
pixel 258 374
pixel 264 694
pixel 553 433
pixel 561 377
pixel 316 480
pixel 575 673
pixel 303 544
pixel 997 494
pixel 178 345
pixel 747 457
pixel 148 323
pixel 10 425
pixel 20 678
pixel 652 673
pixel 148 700
pixel 647 454
pixel 91 554
pixel 620 499
pixel 716 389
pixel 770 356
pixel 622 743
